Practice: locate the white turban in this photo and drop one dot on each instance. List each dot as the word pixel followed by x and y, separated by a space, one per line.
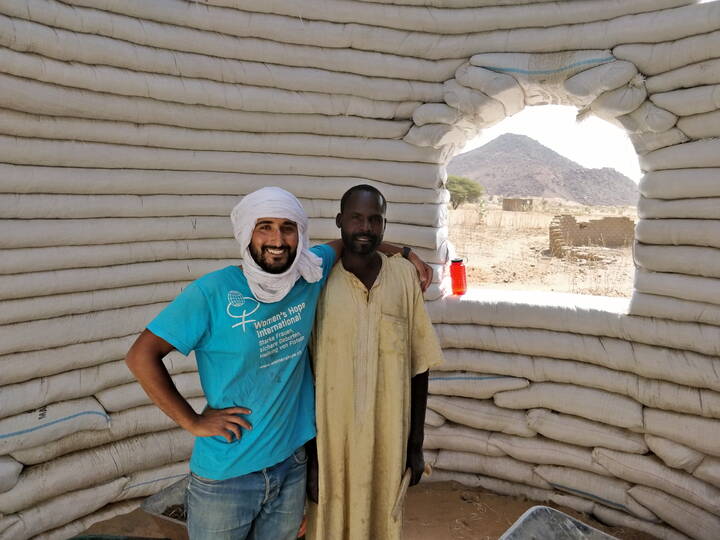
pixel 274 202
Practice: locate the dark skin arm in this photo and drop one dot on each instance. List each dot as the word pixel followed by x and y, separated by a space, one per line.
pixel 145 361
pixel 312 470
pixel 418 404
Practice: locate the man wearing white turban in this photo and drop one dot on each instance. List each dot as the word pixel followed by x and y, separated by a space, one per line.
pixel 249 327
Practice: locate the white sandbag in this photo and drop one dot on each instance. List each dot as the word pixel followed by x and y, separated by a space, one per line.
pixel 608 491
pixel 703 232
pixel 642 28
pixel 590 83
pixel 541 369
pixel 701 99
pixel 697 208
pixel 497 467
pixel 616 518
pixel 77 383
pixel 648 471
pixel 7 521
pixel 694 154
pixel 27 151
pixel 544 451
pixel 701 126
pixel 87 48
pixel 472 385
pixel 433 419
pixel 150 481
pixel 90 279
pixel 449 21
pixel 154 136
pixel 582 432
pixel 218 43
pixel 481 415
pixel 673 454
pixel 679 184
pixel 436 113
pixel 583 314
pixel 32 335
pixel 647 142
pixel 666 362
pixel 89 467
pixel 498 86
pixel 123 425
pixel 437 136
pixel 80 525
pixel 687 76
pixel 60 305
pixel 541 76
pixel 587 403
pixel 683 259
pixel 702 434
pixel 58 511
pixel 648 117
pixel 709 471
pixel 42 98
pixel 24 260
pixel 21 367
pixel 620 101
pixel 132 395
pixel 460 439
pixel 677 309
pixel 192 91
pixel 430 456
pixel 688 518
pixel 9 472
pixel 694 288
pixel 653 58
pixel 50 423
pixel 34 179
pixel 485 110
pixel 674 397
pixel 649 392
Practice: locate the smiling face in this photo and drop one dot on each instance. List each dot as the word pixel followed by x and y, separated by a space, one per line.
pixel 362 222
pixel 274 243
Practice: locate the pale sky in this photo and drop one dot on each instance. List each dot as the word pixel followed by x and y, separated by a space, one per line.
pixel 593 143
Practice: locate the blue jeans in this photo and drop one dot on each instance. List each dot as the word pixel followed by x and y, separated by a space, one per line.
pixel 263 505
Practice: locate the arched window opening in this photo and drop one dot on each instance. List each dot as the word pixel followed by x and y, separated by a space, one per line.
pixel 557 208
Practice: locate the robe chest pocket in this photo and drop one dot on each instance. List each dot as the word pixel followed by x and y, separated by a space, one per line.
pixel 393 334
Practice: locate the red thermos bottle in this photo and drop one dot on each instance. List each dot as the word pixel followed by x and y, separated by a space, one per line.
pixel 457 277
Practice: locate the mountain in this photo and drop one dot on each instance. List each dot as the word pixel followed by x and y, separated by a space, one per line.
pixel 518 166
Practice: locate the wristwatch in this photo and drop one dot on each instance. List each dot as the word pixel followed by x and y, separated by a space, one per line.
pixel 406 252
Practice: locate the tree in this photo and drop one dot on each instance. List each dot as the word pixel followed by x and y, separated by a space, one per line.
pixel 463 190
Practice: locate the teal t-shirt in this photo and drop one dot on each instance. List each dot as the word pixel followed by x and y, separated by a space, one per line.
pixel 249 354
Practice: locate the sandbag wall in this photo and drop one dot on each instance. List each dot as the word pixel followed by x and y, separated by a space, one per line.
pixel 569 400
pixel 128 130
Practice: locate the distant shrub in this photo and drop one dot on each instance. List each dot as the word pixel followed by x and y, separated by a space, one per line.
pixel 463 190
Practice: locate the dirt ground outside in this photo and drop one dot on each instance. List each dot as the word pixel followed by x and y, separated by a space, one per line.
pixel 433 511
pixel 510 250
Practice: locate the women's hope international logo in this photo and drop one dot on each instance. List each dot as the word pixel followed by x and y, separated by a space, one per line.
pixel 241 307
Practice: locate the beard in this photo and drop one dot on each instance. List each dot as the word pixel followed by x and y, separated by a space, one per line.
pixel 270 263
pixel 353 243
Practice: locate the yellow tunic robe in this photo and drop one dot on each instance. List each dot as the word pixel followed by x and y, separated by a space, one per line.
pixel 367 346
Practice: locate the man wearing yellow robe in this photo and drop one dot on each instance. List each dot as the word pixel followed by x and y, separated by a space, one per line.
pixel 373 347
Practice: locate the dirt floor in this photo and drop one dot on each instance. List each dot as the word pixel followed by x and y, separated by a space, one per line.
pixel 510 250
pixel 442 511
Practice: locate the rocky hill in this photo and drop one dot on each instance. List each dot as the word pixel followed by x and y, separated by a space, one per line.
pixel 518 166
